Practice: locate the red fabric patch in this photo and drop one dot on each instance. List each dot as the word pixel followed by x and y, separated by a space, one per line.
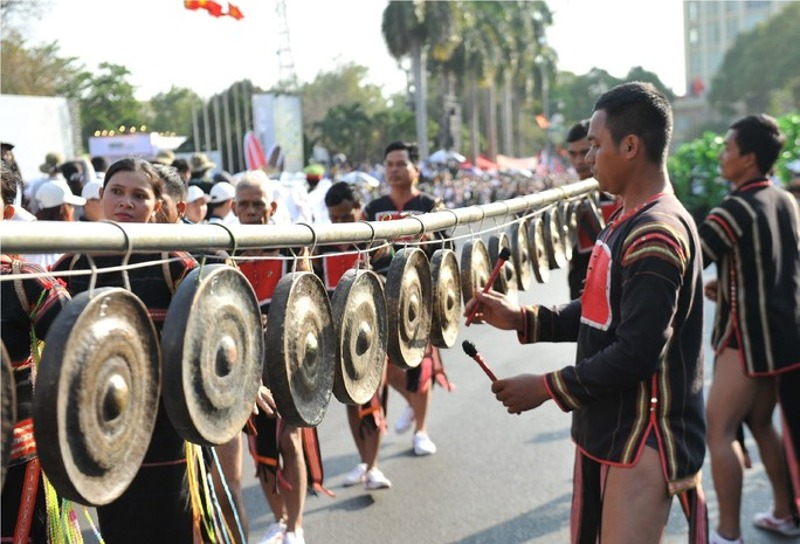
pixel 595 301
pixel 263 276
pixel 335 266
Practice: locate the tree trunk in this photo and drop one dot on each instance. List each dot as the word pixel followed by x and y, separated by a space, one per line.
pixel 491 122
pixel 508 124
pixel 473 122
pixel 420 114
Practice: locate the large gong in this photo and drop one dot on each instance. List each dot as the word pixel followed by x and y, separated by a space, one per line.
pixel 213 350
pixel 8 405
pixel 554 236
pixel 96 395
pixel 300 356
pixel 408 304
pixel 475 268
pixel 538 251
pixel 359 317
pixel 520 253
pixel 506 280
pixel 446 298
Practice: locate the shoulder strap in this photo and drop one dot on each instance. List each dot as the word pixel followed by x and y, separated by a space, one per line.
pixel 167 272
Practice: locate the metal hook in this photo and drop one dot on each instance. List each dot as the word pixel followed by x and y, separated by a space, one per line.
pixel 423 228
pixel 294 261
pixel 313 236
pixel 370 244
pixel 234 241
pixel 126 281
pixel 93 278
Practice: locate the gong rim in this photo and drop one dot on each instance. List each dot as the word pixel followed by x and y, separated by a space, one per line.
pixel 565 217
pixel 520 252
pixel 506 280
pixel 300 349
pixel 9 411
pixel 214 348
pixel 409 294
pixel 96 396
pixel 359 292
pixel 476 268
pixel 446 279
pixel 554 238
pixel 537 249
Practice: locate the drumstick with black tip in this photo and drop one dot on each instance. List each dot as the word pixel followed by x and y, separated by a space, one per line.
pixel 472 351
pixel 505 253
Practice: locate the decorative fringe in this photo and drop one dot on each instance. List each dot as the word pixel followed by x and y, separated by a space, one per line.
pixel 228 496
pixel 94 528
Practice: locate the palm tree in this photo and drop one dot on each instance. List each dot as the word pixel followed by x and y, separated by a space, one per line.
pixel 410 29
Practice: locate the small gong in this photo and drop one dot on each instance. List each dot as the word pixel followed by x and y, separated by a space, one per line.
pixel 476 267
pixel 8 405
pixel 564 207
pixel 538 252
pixel 520 253
pixel 446 298
pixel 408 304
pixel 96 395
pixel 213 350
pixel 360 323
pixel 300 355
pixel 506 280
pixel 554 238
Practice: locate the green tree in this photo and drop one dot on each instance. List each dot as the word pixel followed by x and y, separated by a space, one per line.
pixel 760 63
pixel 37 70
pixel 172 111
pixel 107 101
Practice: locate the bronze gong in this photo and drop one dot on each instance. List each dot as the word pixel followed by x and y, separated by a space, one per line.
pixel 96 395
pixel 538 251
pixel 520 253
pixel 554 238
pixel 408 305
pixel 506 280
pixel 572 222
pixel 446 298
pixel 300 356
pixel 213 351
pixel 8 405
pixel 359 318
pixel 476 268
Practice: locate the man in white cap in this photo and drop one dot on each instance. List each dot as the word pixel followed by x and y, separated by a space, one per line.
pixel 55 202
pixel 52 172
pixel 93 209
pixel 196 205
pixel 221 204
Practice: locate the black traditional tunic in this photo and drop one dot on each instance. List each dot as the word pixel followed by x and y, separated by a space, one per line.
pixel 753 237
pixel 639 329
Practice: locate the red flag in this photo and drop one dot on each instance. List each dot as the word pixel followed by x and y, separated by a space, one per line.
pixel 235 12
pixel 214 9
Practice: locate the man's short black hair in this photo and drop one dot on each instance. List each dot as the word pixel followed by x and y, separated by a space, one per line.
pixel 640 109
pixel 761 135
pixel 411 147
pixel 578 131
pixel 341 191
pixel 100 164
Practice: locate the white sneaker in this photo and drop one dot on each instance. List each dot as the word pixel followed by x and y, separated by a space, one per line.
pixel 405 420
pixel 768 522
pixel 423 445
pixel 274 533
pixel 376 480
pixel 294 537
pixel 356 476
pixel 715 538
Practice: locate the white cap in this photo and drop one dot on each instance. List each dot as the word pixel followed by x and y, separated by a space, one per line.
pixel 91 190
pixel 55 193
pixel 194 192
pixel 222 191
